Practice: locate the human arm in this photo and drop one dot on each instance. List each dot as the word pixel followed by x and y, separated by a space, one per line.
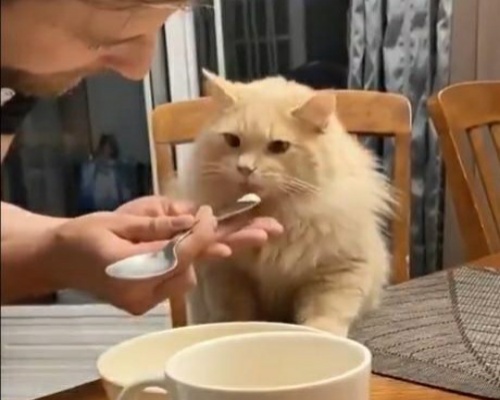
pixel 19 248
pixel 73 253
pixel 16 220
pixel 22 274
pixel 54 254
pixel 5 144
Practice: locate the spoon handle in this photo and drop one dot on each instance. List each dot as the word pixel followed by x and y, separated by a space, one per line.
pixel 225 214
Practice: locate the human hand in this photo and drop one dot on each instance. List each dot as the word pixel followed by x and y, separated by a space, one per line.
pixel 156 206
pixel 76 253
pixel 231 236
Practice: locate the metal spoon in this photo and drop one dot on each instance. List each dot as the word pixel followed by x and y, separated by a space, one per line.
pixel 150 265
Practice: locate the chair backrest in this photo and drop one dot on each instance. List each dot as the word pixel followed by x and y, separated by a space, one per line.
pixel 365 113
pixel 467 119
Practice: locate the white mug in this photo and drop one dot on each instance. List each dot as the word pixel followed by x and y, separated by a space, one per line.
pixel 265 366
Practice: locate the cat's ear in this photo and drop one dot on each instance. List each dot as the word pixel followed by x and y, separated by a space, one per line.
pixel 317 110
pixel 220 89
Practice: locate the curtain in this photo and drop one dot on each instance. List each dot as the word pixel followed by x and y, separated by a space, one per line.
pixel 403 46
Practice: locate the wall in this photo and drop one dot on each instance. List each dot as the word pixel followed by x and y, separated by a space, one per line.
pixel 475 55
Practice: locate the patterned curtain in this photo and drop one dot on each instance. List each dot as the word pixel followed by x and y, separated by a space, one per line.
pixel 403 46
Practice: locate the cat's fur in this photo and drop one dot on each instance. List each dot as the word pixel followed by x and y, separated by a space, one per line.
pixel 331 263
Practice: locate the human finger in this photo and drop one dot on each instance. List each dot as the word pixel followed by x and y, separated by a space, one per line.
pixel 202 235
pixel 147 229
pixel 247 237
pixel 147 206
pixel 270 225
pixel 181 207
pixel 218 250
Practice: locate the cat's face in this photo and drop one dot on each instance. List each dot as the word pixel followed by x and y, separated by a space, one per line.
pixel 258 151
pixel 264 140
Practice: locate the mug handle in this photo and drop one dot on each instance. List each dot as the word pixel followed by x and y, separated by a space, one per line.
pixel 131 391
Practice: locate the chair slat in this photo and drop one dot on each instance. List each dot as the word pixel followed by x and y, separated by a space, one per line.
pixel 178 311
pixel 495 136
pixel 482 159
pixel 401 224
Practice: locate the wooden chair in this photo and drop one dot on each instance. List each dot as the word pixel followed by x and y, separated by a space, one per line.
pixel 467 119
pixel 364 113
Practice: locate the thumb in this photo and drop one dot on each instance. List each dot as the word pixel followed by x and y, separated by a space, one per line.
pixel 147 229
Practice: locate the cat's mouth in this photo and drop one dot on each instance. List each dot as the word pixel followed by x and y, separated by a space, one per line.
pixel 251 186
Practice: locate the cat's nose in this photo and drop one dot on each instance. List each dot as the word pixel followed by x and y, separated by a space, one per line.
pixel 245 170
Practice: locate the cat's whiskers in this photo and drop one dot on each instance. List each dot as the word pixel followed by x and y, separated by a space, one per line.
pixel 297 188
pixel 211 170
pixel 210 165
pixel 292 185
pixel 214 170
pixel 302 184
pixel 210 176
pixel 296 180
pixel 288 188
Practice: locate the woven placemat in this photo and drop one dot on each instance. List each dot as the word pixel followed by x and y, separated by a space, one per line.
pixel 441 330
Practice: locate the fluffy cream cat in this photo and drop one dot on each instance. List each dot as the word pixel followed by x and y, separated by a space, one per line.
pixel 283 141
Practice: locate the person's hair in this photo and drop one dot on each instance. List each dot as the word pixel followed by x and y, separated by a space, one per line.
pixel 108 139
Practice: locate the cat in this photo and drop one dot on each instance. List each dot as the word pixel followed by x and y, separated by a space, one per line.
pixel 283 141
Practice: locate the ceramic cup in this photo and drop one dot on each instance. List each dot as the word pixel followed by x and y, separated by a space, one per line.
pixel 146 355
pixel 265 366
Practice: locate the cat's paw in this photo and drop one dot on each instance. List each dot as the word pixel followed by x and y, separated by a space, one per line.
pixel 328 325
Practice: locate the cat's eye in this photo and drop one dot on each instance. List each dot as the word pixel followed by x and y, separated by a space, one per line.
pixel 278 146
pixel 232 140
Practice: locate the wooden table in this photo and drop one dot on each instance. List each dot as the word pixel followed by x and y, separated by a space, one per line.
pixel 382 389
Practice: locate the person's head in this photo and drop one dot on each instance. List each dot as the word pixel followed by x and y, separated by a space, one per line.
pixel 107 147
pixel 48 46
